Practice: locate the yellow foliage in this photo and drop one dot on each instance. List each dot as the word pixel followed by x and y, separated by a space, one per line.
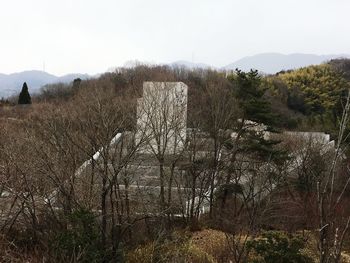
pixel 320 86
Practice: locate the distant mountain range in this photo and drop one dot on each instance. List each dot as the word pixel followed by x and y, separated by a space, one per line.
pixel 268 63
pixel 271 63
pixel 11 84
pixel 188 64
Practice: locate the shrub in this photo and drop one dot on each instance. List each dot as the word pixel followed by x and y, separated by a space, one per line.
pixel 81 240
pixel 277 247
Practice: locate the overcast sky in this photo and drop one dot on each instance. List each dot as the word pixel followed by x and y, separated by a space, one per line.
pixel 90 36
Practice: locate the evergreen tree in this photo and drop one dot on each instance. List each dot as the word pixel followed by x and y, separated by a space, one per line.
pixel 249 92
pixel 256 119
pixel 24 96
pixel 76 83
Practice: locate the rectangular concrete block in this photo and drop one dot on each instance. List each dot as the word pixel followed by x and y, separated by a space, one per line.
pixel 162 117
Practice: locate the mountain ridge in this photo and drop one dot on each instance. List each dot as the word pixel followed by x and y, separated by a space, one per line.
pixel 268 63
pixel 271 63
pixel 11 84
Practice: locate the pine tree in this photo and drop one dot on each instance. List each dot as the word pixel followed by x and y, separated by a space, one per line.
pixel 250 95
pixel 76 83
pixel 24 96
pixel 250 92
pixel 256 119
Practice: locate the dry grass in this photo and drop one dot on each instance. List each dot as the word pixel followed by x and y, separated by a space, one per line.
pixel 212 242
pixel 345 257
pixel 312 250
pixel 206 246
pixel 11 253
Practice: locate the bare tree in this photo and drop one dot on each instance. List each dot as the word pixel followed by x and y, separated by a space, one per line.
pixel 219 117
pixel 334 226
pixel 162 116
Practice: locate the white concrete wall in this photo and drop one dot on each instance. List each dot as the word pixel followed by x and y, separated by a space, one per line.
pixel 162 117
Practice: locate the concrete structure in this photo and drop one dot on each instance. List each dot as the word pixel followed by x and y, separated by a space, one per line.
pixel 321 138
pixel 162 117
pixel 162 130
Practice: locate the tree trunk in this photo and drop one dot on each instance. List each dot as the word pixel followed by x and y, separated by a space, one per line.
pixel 162 193
pixel 104 215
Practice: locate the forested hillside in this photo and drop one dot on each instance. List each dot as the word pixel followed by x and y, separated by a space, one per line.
pixel 307 98
pixel 244 173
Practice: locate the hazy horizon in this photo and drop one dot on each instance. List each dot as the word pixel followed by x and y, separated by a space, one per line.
pixel 92 36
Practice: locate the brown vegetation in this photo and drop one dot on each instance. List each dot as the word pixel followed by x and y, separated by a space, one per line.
pixel 61 203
